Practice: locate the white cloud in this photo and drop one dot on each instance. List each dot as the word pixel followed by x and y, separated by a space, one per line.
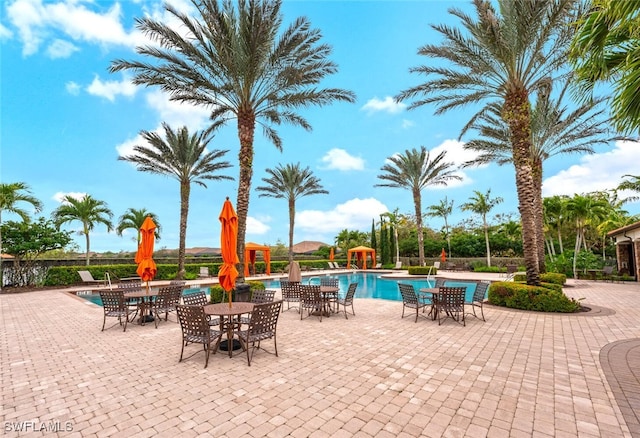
pixel 339 159
pixel 126 148
pixel 388 105
pixel 406 124
pixel 178 114
pixel 110 89
pixel 61 49
pixel 355 214
pixel 595 172
pixel 76 195
pixel 72 88
pixel 257 226
pixel 5 33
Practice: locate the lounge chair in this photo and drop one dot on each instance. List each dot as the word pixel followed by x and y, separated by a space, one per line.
pixel 87 278
pixel 398 265
pixel 378 266
pixel 204 272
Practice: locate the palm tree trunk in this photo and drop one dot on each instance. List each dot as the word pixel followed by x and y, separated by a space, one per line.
pixel 417 201
pixel 486 240
pixel 539 214
pixel 446 229
pixel 86 235
pixel 517 114
pixel 560 239
pixel 576 250
pixel 292 214
pixel 246 130
pixel 185 191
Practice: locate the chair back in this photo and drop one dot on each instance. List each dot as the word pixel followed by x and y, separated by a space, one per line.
pixel 131 286
pixel 439 283
pixel 348 298
pixel 329 281
pixel 310 296
pixel 436 265
pixel 451 298
pixel 198 298
pixel 290 290
pixel 204 271
pixel 607 270
pixel 177 283
pixel 480 292
pixel 262 296
pixel 113 301
pixel 408 293
pixel 264 320
pixel 194 324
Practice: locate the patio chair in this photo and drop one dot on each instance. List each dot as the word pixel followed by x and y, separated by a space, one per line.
pixel 311 300
pixel 331 265
pixel 263 324
pixel 511 272
pixel 196 330
pixel 290 293
pixel 331 297
pixel 166 301
pixel 199 298
pixel 347 300
pixel 378 266
pixel 478 299
pixel 607 273
pixel 259 296
pixel 450 304
pixel 398 265
pixel 87 278
pixel 114 305
pixel 410 299
pixel 204 272
pixel 132 286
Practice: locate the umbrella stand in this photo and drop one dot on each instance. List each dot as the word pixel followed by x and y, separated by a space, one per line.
pixel 147 305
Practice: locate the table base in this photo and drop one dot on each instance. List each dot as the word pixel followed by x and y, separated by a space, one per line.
pixel 224 345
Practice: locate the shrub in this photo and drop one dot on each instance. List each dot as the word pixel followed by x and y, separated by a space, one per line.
pixel 422 270
pixel 553 277
pixel 217 293
pixel 547 298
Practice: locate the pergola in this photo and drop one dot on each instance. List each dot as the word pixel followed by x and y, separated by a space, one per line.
pixel 250 250
pixel 361 254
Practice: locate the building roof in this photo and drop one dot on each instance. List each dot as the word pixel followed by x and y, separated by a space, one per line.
pixel 624 229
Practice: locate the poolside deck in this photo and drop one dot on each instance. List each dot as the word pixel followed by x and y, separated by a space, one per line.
pixel 373 375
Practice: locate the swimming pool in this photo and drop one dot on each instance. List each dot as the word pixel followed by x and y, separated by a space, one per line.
pixel 95 297
pixel 373 285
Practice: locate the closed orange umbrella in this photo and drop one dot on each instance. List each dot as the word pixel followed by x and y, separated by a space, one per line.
pixel 443 256
pixel 228 235
pixel 331 255
pixel 144 257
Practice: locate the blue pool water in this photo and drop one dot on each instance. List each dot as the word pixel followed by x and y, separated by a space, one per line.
pixel 372 285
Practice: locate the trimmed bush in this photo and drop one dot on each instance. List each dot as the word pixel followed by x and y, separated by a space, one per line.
pixel 422 270
pixel 547 298
pixel 216 293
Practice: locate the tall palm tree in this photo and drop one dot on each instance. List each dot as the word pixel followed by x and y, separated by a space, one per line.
pixel 185 158
pixel 394 221
pixel 633 184
pixel 86 210
pixel 443 210
pixel 290 182
pixel 605 49
pixel 11 194
pixel 583 210
pixel 241 63
pixel 414 170
pixel 504 56
pixel 555 130
pixel 482 204
pixel 133 219
pixel 555 215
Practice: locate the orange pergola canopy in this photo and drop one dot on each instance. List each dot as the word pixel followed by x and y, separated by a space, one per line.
pixel 361 254
pixel 250 249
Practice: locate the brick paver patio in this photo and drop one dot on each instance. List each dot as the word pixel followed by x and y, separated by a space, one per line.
pixel 373 375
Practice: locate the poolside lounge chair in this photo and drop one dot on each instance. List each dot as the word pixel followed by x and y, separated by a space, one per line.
pixel 378 266
pixel 87 278
pixel 204 272
pixel 398 265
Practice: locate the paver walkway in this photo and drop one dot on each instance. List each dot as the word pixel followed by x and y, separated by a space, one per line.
pixel 373 375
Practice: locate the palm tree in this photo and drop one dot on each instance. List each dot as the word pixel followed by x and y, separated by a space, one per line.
pixel 414 170
pixel 86 210
pixel 605 48
pixel 632 184
pixel 10 195
pixel 503 58
pixel 185 158
pixel 584 209
pixel 443 210
pixel 555 214
pixel 394 222
pixel 555 130
pixel 482 204
pixel 133 219
pixel 239 62
pixel 290 182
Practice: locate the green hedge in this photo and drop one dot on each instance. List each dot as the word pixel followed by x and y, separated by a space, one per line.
pixel 547 297
pixel 422 270
pixel 547 277
pixel 217 293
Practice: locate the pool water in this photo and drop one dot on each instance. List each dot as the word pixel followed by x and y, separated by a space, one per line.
pixel 372 285
pixel 95 298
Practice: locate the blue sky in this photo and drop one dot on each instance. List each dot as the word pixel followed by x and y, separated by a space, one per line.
pixel 65 120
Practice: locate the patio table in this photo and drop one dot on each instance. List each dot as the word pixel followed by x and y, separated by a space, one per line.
pixel 227 314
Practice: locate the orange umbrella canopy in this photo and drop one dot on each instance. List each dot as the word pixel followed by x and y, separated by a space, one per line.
pixel 331 254
pixel 443 256
pixel 146 266
pixel 250 250
pixel 361 253
pixel 228 234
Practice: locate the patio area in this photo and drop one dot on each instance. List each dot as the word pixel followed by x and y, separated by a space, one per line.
pixel 519 374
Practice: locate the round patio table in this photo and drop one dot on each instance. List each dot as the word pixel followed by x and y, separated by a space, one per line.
pixel 227 313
